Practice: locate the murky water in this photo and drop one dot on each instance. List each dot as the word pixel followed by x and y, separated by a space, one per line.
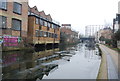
pixel 78 62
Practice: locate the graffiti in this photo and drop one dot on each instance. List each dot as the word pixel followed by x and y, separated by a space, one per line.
pixel 10 40
pixel 10 58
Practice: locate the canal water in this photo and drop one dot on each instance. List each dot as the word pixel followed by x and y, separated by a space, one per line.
pixel 76 62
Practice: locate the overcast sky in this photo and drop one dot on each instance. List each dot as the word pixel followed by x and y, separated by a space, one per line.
pixel 79 13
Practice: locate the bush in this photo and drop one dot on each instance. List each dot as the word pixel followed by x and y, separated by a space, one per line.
pixel 108 41
pixel 117 34
pixel 100 52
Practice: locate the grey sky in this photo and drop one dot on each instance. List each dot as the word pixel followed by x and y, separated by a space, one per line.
pixel 79 13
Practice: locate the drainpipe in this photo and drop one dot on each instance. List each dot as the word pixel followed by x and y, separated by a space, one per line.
pixel 114 25
pixel 39 27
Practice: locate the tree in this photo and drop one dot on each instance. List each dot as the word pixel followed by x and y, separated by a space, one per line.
pixel 115 38
pixel 108 41
pixel 102 38
pixel 117 34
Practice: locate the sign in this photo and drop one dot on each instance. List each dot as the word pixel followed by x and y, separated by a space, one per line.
pixel 11 41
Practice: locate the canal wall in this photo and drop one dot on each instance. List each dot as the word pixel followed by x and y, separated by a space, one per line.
pixel 15 43
pixel 10 43
pixel 5 49
pixel 103 67
pixel 22 47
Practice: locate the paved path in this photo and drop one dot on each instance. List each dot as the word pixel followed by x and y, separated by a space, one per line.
pixel 112 62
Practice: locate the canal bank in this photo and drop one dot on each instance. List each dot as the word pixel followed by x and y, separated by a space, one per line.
pixel 112 62
pixel 109 65
pixel 8 49
pixel 103 67
pixel 28 47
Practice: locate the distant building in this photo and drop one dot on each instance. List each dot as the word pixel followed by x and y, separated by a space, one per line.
pixel 41 28
pixel 106 33
pixel 13 22
pixel 69 35
pixel 118 42
pixel 116 23
pixel 119 7
pixel 66 25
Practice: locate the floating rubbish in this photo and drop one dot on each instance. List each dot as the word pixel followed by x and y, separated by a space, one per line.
pixel 60 52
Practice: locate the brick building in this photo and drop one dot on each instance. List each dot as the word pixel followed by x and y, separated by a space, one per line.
pixel 68 35
pixel 106 33
pixel 13 21
pixel 41 28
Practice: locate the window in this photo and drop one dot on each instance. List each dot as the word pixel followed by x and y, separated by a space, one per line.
pixel 3 22
pixel 3 4
pixel 37 21
pixel 52 35
pixel 17 8
pixel 48 24
pixel 32 13
pixel 52 26
pixel 28 12
pixel 49 34
pixel 41 22
pixel 44 33
pixel 45 23
pixel 56 36
pixel 16 24
pixel 41 33
pixel 37 33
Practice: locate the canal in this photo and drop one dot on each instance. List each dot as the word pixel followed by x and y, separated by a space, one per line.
pixel 75 62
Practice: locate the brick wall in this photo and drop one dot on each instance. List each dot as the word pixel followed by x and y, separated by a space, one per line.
pixel 23 17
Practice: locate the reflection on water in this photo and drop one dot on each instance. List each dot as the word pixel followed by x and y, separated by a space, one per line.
pixel 91 52
pixel 46 64
pixel 22 65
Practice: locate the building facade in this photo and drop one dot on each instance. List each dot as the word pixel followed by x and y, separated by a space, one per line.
pixel 118 42
pixel 68 35
pixel 41 28
pixel 106 33
pixel 116 23
pixel 13 22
